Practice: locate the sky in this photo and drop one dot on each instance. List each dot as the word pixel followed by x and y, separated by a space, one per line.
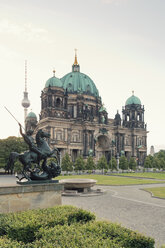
pixel 120 46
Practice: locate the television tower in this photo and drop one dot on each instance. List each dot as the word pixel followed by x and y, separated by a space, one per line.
pixel 25 101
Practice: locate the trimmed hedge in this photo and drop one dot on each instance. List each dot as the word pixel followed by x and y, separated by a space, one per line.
pixel 64 227
pixel 95 234
pixel 22 226
pixel 6 243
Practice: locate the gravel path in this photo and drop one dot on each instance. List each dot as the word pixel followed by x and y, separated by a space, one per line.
pixel 128 205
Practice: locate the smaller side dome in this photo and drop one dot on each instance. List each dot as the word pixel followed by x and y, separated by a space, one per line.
pixel 133 100
pixel 31 115
pixel 53 82
pixel 102 109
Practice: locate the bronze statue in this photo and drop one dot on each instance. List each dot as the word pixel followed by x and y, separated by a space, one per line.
pixel 37 152
pixel 30 141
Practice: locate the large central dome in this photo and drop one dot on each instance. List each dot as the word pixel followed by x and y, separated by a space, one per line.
pixel 77 82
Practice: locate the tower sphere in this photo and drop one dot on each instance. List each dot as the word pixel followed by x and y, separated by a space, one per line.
pixel 25 102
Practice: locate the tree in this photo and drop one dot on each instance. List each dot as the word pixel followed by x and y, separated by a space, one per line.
pixel 11 144
pixel 132 163
pixel 148 162
pixel 162 163
pixel 79 164
pixel 161 157
pixel 113 164
pixel 123 163
pixel 160 154
pixel 66 163
pixel 102 164
pixel 156 163
pixel 90 164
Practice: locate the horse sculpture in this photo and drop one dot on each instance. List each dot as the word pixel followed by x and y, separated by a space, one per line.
pixel 39 172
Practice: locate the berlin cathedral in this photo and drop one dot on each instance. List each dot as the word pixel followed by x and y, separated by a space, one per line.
pixel 73 113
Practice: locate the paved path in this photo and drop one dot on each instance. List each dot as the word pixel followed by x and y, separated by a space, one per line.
pixel 130 206
pixel 7 180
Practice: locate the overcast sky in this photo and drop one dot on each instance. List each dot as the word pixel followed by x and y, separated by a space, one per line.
pixel 121 46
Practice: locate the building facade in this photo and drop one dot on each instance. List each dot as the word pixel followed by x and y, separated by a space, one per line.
pixel 73 113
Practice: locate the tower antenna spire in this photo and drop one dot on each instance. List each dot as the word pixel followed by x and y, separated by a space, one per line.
pixel 25 75
pixel 54 72
pixel 25 101
pixel 75 60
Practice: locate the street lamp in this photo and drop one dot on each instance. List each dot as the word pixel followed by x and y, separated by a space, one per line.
pixel 117 161
pixel 113 143
pixel 138 153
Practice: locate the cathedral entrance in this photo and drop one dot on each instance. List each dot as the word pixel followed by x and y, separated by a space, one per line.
pixel 103 147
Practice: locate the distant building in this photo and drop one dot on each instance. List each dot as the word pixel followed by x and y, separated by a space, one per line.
pixel 152 151
pixel 73 113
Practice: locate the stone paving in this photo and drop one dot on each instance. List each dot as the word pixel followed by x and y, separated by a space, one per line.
pixel 128 205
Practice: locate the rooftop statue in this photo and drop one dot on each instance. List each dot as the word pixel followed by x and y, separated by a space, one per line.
pixel 37 153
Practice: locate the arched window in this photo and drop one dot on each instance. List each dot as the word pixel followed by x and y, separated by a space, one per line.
pixel 75 137
pixel 69 87
pixel 58 102
pixel 88 89
pixel 59 135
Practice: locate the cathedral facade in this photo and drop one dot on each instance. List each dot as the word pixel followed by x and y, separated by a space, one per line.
pixel 73 113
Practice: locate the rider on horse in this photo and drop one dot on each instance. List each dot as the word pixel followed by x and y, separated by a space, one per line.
pixel 30 141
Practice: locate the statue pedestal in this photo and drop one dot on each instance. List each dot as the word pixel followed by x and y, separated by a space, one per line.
pixel 30 196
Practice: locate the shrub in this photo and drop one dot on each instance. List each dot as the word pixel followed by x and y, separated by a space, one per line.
pixel 23 226
pixel 72 236
pixel 96 234
pixel 6 243
pixel 63 227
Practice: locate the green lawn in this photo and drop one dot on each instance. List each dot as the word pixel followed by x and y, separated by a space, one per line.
pixel 158 192
pixel 153 175
pixel 113 180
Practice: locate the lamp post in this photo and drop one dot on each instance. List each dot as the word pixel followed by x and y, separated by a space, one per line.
pixel 118 162
pixel 138 153
pixel 113 143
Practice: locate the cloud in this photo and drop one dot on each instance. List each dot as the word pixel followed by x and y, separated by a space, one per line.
pixel 115 2
pixel 26 31
pixel 7 54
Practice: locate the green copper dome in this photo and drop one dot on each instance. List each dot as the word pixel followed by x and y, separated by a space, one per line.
pixel 31 115
pixel 133 100
pixel 77 82
pixel 53 82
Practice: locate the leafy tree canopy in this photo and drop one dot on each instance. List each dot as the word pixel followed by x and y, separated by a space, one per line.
pixel 123 163
pixel 90 164
pixel 132 163
pixel 102 163
pixel 113 164
pixel 11 144
pixel 66 163
pixel 79 164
